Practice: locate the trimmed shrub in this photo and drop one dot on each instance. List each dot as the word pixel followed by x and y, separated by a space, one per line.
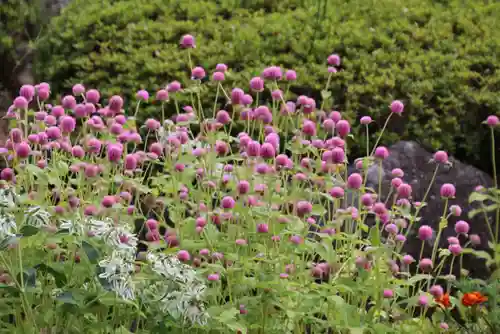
pixel 439 57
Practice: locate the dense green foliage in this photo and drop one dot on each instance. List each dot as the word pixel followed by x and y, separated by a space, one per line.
pixel 439 57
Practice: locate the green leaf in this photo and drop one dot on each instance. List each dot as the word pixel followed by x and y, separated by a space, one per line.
pixel 91 252
pixel 29 230
pixel 59 277
pixel 67 298
pixel 478 197
pixel 29 277
pixel 375 236
pixel 417 278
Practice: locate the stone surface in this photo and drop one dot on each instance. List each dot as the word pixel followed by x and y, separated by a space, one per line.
pixel 416 162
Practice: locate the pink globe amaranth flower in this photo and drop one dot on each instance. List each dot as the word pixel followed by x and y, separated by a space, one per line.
pixel 241 242
pixel 198 73
pixel 309 128
pixel 333 60
pixel 58 111
pixel 142 95
pixel 391 228
pixel 272 73
pixel 162 95
pixel 20 102
pixel 114 152
pixel 397 107
pixel 152 124
pixel 223 117
pixel 201 221
pixel 436 291
pixel 290 75
pixel 455 249
pixel 187 42
pixel 16 135
pixel 388 293
pixel 267 151
pixel 273 139
pixel 116 103
pixel 93 96
pixel 336 192
pixel 309 106
pixel 338 155
pixel 400 238
pixel 335 116
pixel 33 138
pixel 441 157
pixel 456 210
pixel 281 160
pixel 397 172
pixel 381 152
pixel 262 228
pixel 237 95
pixel 218 76
pixel 332 69
pixel 425 232
pixel 243 187
pixel 453 240
pixel 179 167
pixel 329 125
pixel 91 171
pixel 67 124
pixel 492 121
pixel 303 208
pixel 23 150
pixel 174 87
pixel 94 145
pixel 221 147
pixel 7 174
pixel 295 239
pixel 183 256
pixel 354 181
pixel 221 67
pixel 396 182
pixel 408 259
pixel 423 300
pixel 69 102
pixel 462 227
pixel 425 264
pixel 116 129
pixel 43 94
pixel 50 120
pixel 257 84
pixel 40 115
pixel 276 238
pixel 365 120
pixel 277 94
pixel 404 190
pixel 343 128
pixel 77 151
pixel 27 91
pixel 380 209
pixel 213 277
pixel 253 149
pixel 475 239
pixel 448 190
pixel 228 202
pixel 367 200
pixel 108 201
pixel 130 162
pixel 246 100
pixel 444 325
pixel 78 89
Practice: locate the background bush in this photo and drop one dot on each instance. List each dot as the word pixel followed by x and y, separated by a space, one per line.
pixel 439 57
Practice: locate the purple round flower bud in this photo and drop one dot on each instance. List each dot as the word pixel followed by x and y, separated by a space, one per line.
pixel 404 190
pixel 253 149
pixel 142 95
pixel 16 135
pixel 116 103
pixel 218 76
pixel 396 182
pixel 174 86
pixel 388 293
pixel 262 228
pixel 198 73
pixel 68 102
pixel 67 124
pixel 343 128
pixel 332 69
pixel 272 73
pixel 455 249
pixel 381 152
pixel 130 162
pixel 453 240
pixel 309 128
pixel 447 190
pixel 213 277
pixel 243 187
pixel 354 181
pixel 187 42
pixel 425 264
pixel 108 201
pixel 152 124
pixel 400 238
pixel 223 117
pixel 475 239
pixel 276 94
pixel 23 150
pixel 290 75
pixel 444 326
pixel 365 120
pixel 367 199
pixel 27 91
pixel 7 174
pixel 423 300
pixel 391 228
pixel 408 259
pixel 436 291
pixel 78 89
pixel 425 232
pixel 333 60
pixel 304 208
pixel 336 192
pixel 183 256
pixel 397 107
pixel 257 84
pixel 114 152
pixel 462 227
pixel 267 151
pixel 162 95
pixel 93 96
pixel 77 151
pixel 456 210
pixel 441 157
pixel 247 100
pixel 397 172
pixel 221 67
pixel 338 155
pixel 227 202
pixel 20 102
pixel 43 94
pixel 237 95
pixel 492 121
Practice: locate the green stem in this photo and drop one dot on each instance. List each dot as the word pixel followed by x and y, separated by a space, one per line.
pixel 381 133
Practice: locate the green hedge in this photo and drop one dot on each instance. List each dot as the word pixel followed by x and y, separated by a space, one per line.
pixel 439 57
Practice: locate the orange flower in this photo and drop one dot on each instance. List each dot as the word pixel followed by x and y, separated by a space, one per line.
pixel 444 300
pixel 473 298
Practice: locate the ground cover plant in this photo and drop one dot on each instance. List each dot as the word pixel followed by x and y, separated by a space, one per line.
pixel 264 233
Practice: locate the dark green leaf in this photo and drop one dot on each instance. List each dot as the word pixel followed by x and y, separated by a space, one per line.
pixel 91 252
pixel 29 230
pixel 59 277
